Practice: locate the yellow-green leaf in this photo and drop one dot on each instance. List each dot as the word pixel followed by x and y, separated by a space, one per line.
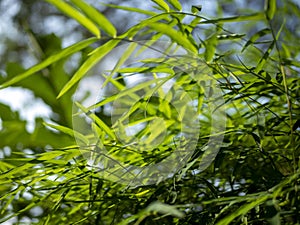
pixel 96 16
pixel 174 35
pixel 270 6
pixel 176 4
pixel 69 132
pixel 162 5
pixel 97 55
pixel 97 120
pixel 72 12
pixel 62 54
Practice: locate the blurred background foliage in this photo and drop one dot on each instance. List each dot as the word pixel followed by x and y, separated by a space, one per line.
pixel 255 176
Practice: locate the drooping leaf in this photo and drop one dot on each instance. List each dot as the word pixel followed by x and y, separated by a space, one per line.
pixel 60 55
pixel 131 9
pixel 97 17
pixel 210 48
pixel 162 4
pixel 270 7
pixel 254 16
pixel 69 131
pixel 97 120
pixel 196 9
pixel 256 36
pixel 164 209
pixel 176 4
pixel 95 57
pixel 75 14
pixel 174 35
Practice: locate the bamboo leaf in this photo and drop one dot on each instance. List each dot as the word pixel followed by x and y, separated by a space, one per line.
pixel 174 35
pixel 162 5
pixel 270 7
pixel 158 69
pixel 97 120
pixel 131 9
pixel 210 48
pixel 128 92
pixel 69 132
pixel 243 210
pixel 164 209
pixel 96 56
pixel 62 54
pixel 72 12
pixel 256 36
pixel 96 16
pixel 254 16
pixel 176 4
pixel 196 9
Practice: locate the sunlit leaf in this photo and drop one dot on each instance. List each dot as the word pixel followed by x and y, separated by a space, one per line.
pixel 162 4
pixel 97 17
pixel 270 7
pixel 164 209
pixel 69 131
pixel 196 9
pixel 256 36
pixel 176 4
pixel 131 9
pixel 72 12
pixel 95 57
pixel 60 55
pixel 174 35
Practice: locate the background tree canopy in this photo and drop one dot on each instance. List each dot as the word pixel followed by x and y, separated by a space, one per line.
pixel 214 88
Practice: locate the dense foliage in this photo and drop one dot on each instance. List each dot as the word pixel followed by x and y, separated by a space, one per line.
pixel 240 71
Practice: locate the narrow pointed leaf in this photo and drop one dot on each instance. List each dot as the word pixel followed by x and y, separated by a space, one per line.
pixel 254 16
pixel 97 120
pixel 131 9
pixel 196 9
pixel 270 8
pixel 79 17
pixel 174 35
pixel 62 54
pixel 256 36
pixel 176 4
pixel 210 50
pixel 162 5
pixel 69 132
pixel 96 16
pixel 97 55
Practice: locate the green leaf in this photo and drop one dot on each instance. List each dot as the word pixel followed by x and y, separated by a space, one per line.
pixel 164 209
pixel 243 210
pixel 96 16
pixel 96 56
pixel 131 9
pixel 176 4
pixel 210 48
pixel 162 5
pixel 196 9
pixel 254 16
pixel 97 120
pixel 265 57
pixel 72 12
pixel 270 7
pixel 158 69
pixel 69 131
pixel 174 35
pixel 20 169
pixel 256 36
pixel 50 155
pixel 50 60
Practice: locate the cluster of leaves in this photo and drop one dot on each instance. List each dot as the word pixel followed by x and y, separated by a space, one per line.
pixel 254 178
